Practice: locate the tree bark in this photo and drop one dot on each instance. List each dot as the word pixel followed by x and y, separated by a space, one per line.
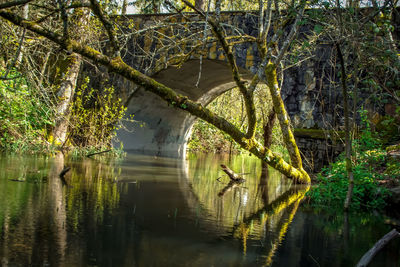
pixel 366 259
pixel 347 129
pixel 124 7
pixel 199 4
pixel 283 118
pixel 268 127
pixel 68 83
pixel 65 95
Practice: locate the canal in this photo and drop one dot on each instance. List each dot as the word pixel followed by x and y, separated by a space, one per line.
pixel 152 211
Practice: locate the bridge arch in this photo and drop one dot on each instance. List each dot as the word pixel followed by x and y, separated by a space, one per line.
pixel 162 130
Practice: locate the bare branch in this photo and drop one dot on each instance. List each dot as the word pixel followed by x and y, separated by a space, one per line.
pixel 247 94
pixel 96 8
pixel 292 34
pixel 14 3
pixel 17 55
pixel 266 24
pixel 64 17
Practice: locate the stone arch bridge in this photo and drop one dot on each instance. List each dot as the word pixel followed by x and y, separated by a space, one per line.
pixel 159 42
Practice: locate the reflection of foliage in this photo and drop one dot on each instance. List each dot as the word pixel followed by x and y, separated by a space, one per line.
pixel 93 193
pixel 343 230
pixel 243 200
pixel 244 211
pixel 291 198
pixel 15 195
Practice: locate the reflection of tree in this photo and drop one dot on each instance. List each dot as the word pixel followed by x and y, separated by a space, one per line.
pixel 57 207
pixel 253 207
pixel 232 184
pixel 287 203
pixel 203 172
pixel 282 232
pixel 263 184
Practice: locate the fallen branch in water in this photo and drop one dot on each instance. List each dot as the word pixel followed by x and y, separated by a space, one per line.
pixel 366 259
pixel 236 179
pixel 232 175
pixel 97 153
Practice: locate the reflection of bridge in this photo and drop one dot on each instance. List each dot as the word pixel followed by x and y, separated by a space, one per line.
pixel 155 51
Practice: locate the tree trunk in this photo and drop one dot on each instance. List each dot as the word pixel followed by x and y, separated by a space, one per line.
pixel 347 129
pixel 268 127
pixel 25 15
pixel 67 86
pixel 283 118
pixel 65 96
pixel 124 7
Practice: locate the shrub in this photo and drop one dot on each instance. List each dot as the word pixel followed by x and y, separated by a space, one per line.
pixel 24 115
pixel 94 117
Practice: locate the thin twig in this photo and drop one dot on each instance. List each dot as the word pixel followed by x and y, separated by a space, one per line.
pixel 97 153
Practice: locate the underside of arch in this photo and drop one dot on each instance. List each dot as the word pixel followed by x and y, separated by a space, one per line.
pixel 163 130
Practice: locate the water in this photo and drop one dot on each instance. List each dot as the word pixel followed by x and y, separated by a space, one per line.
pixel 145 211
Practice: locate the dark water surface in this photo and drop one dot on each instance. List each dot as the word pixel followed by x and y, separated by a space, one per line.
pixel 145 211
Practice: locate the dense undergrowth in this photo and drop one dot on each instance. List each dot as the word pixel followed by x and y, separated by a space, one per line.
pixel 27 116
pixel 374 169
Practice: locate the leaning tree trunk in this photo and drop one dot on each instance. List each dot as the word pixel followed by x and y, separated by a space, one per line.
pixel 284 120
pixel 68 83
pixel 65 96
